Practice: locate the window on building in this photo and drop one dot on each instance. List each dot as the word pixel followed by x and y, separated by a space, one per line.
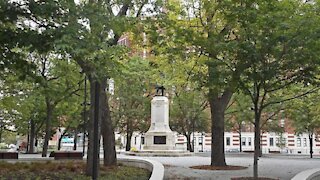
pixel 249 141
pixel 281 142
pixel 228 141
pixel 135 140
pixel 142 140
pixel 298 142
pixel 271 141
pixel 304 142
pixel 243 141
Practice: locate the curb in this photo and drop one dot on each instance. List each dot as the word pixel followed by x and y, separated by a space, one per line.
pixel 156 168
pixel 309 174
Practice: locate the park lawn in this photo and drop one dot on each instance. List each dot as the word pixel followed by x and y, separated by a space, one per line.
pixel 66 170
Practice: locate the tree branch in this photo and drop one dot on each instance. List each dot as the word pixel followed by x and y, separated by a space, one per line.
pixel 291 98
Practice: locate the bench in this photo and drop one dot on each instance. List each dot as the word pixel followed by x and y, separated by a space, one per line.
pixel 274 152
pixel 8 155
pixel 248 151
pixel 66 155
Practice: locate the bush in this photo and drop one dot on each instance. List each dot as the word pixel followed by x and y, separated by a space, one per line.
pixel 3 146
pixel 133 149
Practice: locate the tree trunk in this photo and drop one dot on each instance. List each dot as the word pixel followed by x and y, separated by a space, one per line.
pixel 48 128
pixel 90 155
pixel 59 142
pixel 84 142
pixel 189 147
pixel 75 139
pixel 260 148
pixel 36 141
pixel 32 136
pixel 240 140
pixel 109 144
pixel 1 130
pixel 256 144
pixel 311 145
pixel 129 136
pixel 217 107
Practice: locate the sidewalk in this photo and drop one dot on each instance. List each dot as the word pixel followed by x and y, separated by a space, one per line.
pixel 273 167
pixel 282 167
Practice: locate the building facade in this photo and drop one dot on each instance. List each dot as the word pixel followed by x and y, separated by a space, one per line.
pixel 285 143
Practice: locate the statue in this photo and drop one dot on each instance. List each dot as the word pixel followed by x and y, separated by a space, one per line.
pixel 160 89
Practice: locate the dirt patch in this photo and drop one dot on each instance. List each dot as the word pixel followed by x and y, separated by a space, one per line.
pixel 208 167
pixel 252 178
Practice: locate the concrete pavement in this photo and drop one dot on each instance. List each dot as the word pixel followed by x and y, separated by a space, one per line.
pixel 273 166
pixel 281 167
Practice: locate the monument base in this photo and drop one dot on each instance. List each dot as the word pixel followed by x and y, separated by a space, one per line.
pixel 162 141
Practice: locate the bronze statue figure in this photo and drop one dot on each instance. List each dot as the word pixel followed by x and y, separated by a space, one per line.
pixel 160 90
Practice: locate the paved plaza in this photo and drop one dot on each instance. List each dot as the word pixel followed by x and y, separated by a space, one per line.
pixel 274 166
pixel 283 167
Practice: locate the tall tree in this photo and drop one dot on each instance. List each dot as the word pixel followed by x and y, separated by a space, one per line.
pixel 277 52
pixel 54 85
pixel 93 30
pixel 202 31
pixel 130 106
pixel 304 113
pixel 239 115
pixel 187 115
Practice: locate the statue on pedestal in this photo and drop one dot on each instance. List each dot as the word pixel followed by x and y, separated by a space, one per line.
pixel 160 90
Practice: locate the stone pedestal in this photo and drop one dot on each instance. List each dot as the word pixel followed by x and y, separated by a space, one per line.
pixel 159 135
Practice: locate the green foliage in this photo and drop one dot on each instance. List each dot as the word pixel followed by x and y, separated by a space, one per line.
pixel 187 113
pixel 130 104
pixel 239 112
pixel 278 51
pixel 304 113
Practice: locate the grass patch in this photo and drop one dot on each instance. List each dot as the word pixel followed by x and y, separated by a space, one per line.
pixel 67 170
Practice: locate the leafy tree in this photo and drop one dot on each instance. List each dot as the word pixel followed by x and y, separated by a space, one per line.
pixel 69 116
pixel 130 106
pixel 188 116
pixel 277 52
pixel 54 85
pixel 202 31
pixel 304 113
pixel 30 26
pixel 11 37
pixel 90 38
pixel 51 87
pixel 238 115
